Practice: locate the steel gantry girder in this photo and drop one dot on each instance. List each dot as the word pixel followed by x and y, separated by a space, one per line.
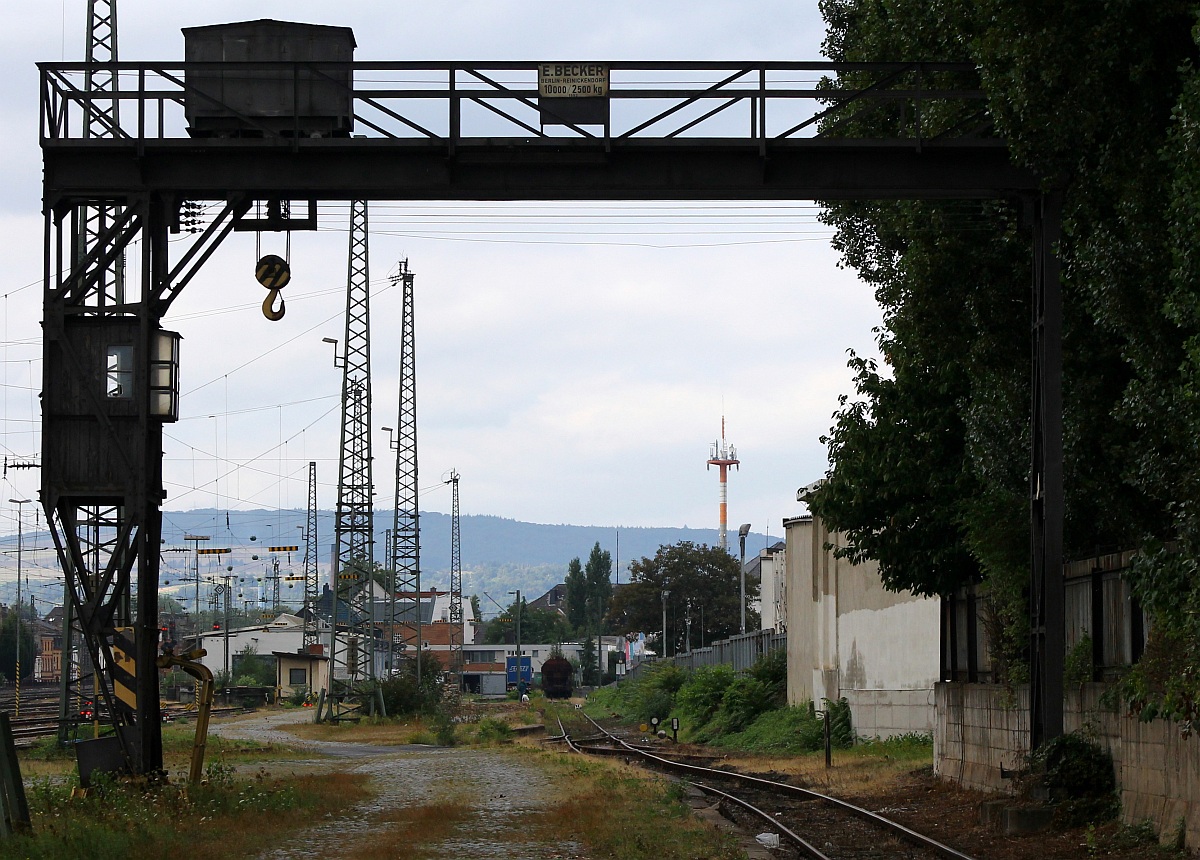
pixel 471 131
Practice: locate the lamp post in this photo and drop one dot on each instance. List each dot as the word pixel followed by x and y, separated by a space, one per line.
pixel 743 530
pixel 20 534
pixel 665 595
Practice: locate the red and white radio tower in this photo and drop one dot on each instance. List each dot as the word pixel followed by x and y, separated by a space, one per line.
pixel 723 455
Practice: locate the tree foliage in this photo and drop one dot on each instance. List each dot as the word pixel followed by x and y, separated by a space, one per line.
pixel 589 591
pixel 576 595
pixel 537 625
pixel 929 457
pixel 709 576
pixel 8 646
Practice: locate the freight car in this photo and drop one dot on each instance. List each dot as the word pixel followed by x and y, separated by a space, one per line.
pixel 557 675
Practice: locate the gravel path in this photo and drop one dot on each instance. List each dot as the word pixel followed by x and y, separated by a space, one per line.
pixel 498 788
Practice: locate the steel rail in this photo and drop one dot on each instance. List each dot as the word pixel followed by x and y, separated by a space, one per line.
pixel 768 818
pixel 784 788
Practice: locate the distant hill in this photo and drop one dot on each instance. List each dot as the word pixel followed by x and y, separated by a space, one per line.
pixel 498 554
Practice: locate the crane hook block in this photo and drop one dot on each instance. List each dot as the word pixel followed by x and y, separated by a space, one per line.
pixel 268 308
pixel 273 272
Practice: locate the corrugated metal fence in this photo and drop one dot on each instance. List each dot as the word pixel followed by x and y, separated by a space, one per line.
pixel 739 652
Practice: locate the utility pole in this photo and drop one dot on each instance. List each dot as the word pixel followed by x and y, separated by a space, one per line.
pixel 457 633
pixel 312 634
pixel 20 503
pixel 196 573
pixel 352 657
pixel 405 537
pixel 665 595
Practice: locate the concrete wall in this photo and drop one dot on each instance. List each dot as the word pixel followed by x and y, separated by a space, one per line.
pixel 884 713
pixel 850 637
pixel 981 727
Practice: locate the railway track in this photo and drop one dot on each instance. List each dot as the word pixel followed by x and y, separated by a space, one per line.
pixel 39 714
pixel 814 824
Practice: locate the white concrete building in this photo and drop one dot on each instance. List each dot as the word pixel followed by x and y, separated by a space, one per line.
pixel 849 637
pixel 772 592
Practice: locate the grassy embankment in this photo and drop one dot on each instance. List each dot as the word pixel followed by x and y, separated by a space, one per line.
pixel 746 719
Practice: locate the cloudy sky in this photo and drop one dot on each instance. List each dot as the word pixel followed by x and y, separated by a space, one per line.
pixel 574 362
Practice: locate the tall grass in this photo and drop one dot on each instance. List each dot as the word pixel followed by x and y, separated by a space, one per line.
pixel 116 820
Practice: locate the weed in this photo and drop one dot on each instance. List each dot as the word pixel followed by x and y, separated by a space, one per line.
pixel 493 731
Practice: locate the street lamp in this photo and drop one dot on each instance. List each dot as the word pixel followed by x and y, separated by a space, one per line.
pixel 665 595
pixel 20 533
pixel 743 530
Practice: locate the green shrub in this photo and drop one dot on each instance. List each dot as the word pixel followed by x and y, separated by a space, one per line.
pixel 783 730
pixel 744 701
pixel 443 729
pixel 700 697
pixel 653 703
pixel 493 731
pixel 1079 776
pixel 841 725
pixel 403 696
pixel 771 670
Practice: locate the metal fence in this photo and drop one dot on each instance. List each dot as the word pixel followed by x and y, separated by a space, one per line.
pixel 739 652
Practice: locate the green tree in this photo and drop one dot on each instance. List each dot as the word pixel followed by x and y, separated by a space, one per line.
pixel 709 576
pixel 537 625
pixel 928 458
pixel 597 576
pixel 252 669
pixel 576 595
pixel 8 646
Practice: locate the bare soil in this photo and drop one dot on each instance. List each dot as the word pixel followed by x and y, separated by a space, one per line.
pixel 950 814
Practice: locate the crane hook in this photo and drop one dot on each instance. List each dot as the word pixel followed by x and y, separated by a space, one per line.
pixel 268 308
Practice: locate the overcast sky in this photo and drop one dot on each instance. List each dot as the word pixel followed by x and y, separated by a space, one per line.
pixel 573 362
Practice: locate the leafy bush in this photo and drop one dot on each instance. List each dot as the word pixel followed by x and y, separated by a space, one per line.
pixel 699 698
pixel 1078 774
pixel 771 670
pixel 841 726
pixel 493 731
pixel 402 695
pixel 443 729
pixel 744 701
pixel 653 703
pixel 784 730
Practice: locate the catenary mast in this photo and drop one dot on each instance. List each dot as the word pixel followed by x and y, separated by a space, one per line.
pixel 352 627
pixel 405 550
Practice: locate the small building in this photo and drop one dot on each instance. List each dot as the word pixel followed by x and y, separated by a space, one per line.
pixel 848 637
pixel 301 673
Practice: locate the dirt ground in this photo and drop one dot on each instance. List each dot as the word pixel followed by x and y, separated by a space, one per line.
pixel 950 814
pixel 914 797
